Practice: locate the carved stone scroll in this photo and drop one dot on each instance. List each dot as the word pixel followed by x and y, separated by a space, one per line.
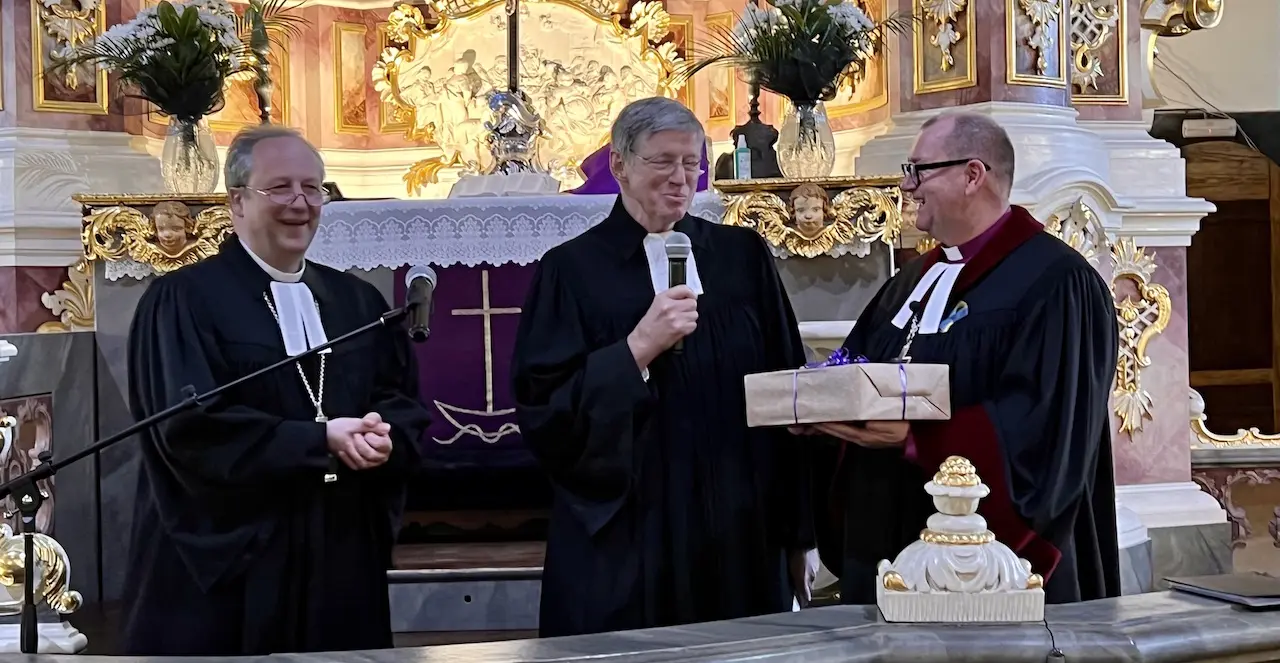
pixel 1099 52
pixel 1034 43
pixel 943 45
pixel 1221 481
pixel 73 302
pixel 57 28
pixel 1143 312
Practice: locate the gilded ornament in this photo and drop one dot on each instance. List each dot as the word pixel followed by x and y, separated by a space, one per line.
pixel 1203 438
pixel 893 582
pixel 73 302
pixel 1034 581
pixel 169 239
pixel 1043 15
pixel 442 64
pixel 1092 25
pixel 69 24
pixel 1079 227
pixel 1175 18
pixel 925 244
pixel 944 13
pixel 957 472
pixel 54 567
pixel 1141 319
pixel 957 539
pixel 810 223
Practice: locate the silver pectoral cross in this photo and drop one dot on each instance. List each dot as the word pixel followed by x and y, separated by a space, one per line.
pixel 903 356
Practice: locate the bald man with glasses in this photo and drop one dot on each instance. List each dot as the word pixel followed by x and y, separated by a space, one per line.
pixel 1028 329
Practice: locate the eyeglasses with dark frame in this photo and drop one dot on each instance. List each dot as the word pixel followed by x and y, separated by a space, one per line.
pixel 315 197
pixel 911 171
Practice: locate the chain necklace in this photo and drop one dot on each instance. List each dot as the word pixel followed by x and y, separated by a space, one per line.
pixel 316 396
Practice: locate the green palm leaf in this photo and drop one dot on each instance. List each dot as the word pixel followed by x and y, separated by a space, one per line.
pixel 800 51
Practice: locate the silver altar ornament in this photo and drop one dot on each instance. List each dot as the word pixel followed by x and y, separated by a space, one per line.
pixel 514 129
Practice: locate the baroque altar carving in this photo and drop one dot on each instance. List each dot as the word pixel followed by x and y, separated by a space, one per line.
pixel 1143 307
pixel 808 218
pixel 581 62
pixel 157 232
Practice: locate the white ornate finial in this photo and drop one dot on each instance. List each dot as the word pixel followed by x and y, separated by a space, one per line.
pixel 7 350
pixel 958 571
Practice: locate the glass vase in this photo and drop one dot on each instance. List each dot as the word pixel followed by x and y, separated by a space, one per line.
pixel 189 162
pixel 806 147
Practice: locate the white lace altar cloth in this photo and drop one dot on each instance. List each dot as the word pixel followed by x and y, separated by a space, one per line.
pixel 467 231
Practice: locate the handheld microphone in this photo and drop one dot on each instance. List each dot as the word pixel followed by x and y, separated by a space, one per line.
pixel 421 285
pixel 678 249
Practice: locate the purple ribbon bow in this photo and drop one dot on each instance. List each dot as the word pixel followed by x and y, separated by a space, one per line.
pixel 841 357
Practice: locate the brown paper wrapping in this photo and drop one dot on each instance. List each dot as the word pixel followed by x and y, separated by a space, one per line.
pixel 852 392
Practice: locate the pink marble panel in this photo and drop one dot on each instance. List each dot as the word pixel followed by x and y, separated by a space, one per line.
pixel 1161 451
pixel 1135 61
pixel 989 41
pixel 21 310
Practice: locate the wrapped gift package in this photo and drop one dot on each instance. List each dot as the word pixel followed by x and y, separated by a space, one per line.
pixel 843 389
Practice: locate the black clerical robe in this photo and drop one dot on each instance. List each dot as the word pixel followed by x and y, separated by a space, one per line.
pixel 668 509
pixel 1032 364
pixel 239 547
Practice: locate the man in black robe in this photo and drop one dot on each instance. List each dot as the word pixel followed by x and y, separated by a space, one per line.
pixel 1028 328
pixel 668 509
pixel 245 538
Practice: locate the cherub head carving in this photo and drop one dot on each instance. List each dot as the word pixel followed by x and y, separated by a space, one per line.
pixel 811 210
pixel 173 225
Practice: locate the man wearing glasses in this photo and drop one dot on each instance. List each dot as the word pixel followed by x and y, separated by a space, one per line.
pixel 265 518
pixel 668 509
pixel 1028 329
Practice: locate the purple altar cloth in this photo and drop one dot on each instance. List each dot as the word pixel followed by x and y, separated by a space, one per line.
pixel 600 180
pixel 464 368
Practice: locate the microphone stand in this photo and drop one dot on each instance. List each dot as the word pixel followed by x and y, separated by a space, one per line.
pixel 28 496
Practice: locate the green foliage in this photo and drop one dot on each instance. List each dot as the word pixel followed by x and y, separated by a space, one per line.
pixel 796 48
pixel 180 61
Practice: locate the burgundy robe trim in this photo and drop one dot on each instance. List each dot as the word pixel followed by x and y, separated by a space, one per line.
pixel 1014 232
pixel 970 433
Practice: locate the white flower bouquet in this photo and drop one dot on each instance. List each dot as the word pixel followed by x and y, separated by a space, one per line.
pixel 798 48
pixel 178 55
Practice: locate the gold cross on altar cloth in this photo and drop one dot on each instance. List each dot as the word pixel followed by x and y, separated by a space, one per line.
pixel 488 314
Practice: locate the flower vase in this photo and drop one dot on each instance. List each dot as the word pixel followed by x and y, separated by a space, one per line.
pixel 189 162
pixel 806 147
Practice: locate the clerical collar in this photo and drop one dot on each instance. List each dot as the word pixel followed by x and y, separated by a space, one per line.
pixel 622 232
pixel 294 307
pixel 655 249
pixel 275 274
pixel 965 252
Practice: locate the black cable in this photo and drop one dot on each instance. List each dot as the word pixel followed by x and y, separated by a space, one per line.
pixel 1054 654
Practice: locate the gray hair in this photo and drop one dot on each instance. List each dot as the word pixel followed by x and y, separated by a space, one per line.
pixel 975 136
pixel 239 164
pixel 644 117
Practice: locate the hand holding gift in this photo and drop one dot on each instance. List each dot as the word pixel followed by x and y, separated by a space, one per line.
pixel 871 434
